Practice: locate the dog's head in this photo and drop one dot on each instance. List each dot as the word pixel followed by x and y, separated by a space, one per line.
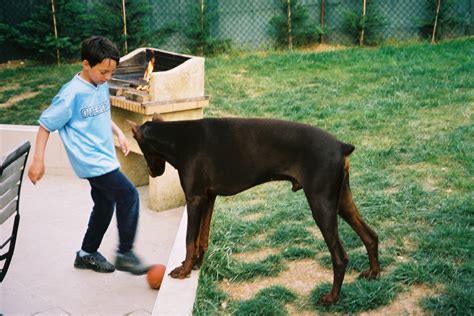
pixel 156 163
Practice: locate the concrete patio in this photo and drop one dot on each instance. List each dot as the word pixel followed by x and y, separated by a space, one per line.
pixel 54 214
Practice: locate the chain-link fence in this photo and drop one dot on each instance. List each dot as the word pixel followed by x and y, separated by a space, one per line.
pixel 246 24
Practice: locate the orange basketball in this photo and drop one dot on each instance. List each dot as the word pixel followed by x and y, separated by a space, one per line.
pixel 155 275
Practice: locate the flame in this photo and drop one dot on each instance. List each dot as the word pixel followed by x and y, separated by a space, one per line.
pixel 149 69
pixel 147 74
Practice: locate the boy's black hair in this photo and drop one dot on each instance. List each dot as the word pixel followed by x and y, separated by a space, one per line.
pixel 97 48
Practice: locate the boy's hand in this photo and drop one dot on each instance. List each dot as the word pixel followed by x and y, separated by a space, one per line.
pixel 123 143
pixel 121 139
pixel 36 171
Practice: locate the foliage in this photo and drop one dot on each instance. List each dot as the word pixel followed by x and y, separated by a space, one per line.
pixel 162 35
pixel 372 24
pixel 202 16
pixel 75 22
pixel 36 35
pixel 448 19
pixel 302 32
pixel 111 25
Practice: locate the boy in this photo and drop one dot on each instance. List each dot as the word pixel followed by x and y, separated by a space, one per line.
pixel 81 114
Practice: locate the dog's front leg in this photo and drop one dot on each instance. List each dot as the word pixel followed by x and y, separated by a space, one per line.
pixel 203 240
pixel 195 207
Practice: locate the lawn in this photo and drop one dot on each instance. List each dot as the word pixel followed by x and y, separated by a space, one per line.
pixel 408 109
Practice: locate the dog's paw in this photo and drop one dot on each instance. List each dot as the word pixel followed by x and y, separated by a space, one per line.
pixel 179 273
pixel 370 274
pixel 328 299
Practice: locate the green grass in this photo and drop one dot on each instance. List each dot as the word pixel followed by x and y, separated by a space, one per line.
pixel 43 82
pixel 407 109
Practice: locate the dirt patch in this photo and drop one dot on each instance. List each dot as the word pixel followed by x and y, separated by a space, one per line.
pixel 253 216
pixel 316 232
pixel 428 181
pixel 380 142
pixel 406 303
pixel 301 277
pixel 9 87
pixel 321 48
pixel 256 255
pixel 11 64
pixel 18 98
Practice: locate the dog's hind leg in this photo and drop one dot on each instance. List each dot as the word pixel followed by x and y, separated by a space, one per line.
pixel 348 211
pixel 324 202
pixel 203 239
pixel 196 207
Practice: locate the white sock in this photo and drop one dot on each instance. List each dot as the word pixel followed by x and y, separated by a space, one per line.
pixel 82 253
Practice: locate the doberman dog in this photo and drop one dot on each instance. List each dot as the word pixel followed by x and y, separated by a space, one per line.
pixel 225 156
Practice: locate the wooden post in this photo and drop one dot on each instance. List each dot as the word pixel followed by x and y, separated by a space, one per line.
pixel 55 27
pixel 321 22
pixel 124 18
pixel 364 8
pixel 290 34
pixel 201 8
pixel 433 36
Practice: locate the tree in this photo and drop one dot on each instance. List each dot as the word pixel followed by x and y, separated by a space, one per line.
pixel 441 19
pixel 37 37
pixel 365 26
pixel 291 27
pixel 202 15
pixel 111 24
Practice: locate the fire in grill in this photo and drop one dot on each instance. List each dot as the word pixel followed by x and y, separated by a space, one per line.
pixel 149 76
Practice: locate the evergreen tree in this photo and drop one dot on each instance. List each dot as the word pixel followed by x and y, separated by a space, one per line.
pixel 36 35
pixel 302 32
pixel 108 22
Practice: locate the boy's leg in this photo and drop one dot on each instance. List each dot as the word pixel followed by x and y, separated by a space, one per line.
pixel 127 211
pixel 99 221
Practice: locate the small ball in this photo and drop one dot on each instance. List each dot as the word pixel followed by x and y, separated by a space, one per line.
pixel 155 275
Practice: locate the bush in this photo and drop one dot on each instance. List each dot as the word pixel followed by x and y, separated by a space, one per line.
pixel 36 35
pixel 302 32
pixel 110 25
pixel 447 20
pixel 372 23
pixel 202 16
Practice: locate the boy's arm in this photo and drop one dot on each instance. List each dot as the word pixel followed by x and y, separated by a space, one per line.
pixel 36 171
pixel 121 139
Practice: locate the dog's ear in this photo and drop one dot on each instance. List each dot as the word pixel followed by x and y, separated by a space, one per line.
pixel 157 117
pixel 137 134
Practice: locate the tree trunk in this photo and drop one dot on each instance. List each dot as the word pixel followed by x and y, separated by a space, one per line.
pixel 321 22
pixel 201 8
pixel 433 36
pixel 290 34
pixel 55 27
pixel 362 32
pixel 125 35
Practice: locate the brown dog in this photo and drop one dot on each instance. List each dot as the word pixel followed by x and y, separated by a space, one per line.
pixel 229 155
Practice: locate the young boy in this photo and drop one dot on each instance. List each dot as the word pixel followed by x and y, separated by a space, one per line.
pixel 81 114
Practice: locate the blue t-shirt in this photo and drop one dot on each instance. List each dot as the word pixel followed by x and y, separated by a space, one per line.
pixel 81 114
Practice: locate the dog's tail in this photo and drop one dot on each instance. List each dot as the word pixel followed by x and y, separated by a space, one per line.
pixel 347 149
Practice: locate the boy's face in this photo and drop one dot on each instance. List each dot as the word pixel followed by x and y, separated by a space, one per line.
pixel 100 73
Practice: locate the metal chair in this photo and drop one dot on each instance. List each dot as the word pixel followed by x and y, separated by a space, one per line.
pixel 12 166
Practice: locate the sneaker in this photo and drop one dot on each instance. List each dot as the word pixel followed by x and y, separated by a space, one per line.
pixel 95 261
pixel 129 262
